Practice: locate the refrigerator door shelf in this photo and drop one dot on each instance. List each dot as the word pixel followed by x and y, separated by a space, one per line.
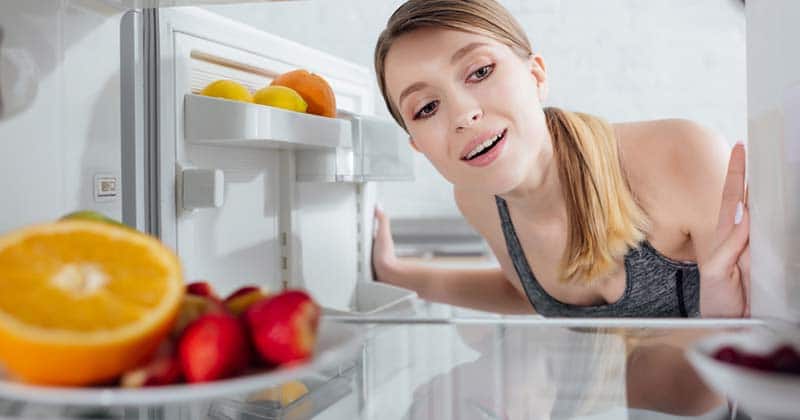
pixel 222 122
pixel 381 149
pixel 379 152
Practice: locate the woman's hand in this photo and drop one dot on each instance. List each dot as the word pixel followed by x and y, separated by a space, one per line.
pixel 383 258
pixel 725 276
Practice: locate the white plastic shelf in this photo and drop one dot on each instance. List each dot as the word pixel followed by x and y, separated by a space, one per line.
pixel 374 298
pixel 222 122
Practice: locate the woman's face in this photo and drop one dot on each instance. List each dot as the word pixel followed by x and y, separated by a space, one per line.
pixel 471 105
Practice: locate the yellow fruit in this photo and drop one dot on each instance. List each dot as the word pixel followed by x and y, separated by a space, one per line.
pixel 91 216
pixel 228 89
pixel 281 97
pixel 286 393
pixel 82 302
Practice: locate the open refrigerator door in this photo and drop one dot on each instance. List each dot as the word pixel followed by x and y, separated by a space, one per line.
pixel 272 197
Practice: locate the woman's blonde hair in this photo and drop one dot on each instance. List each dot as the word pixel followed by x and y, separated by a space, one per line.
pixel 604 218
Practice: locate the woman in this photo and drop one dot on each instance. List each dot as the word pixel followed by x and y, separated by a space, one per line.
pixel 586 218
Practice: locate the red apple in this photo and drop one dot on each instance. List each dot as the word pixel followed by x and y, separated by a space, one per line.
pixel 162 370
pixel 193 307
pixel 283 328
pixel 201 288
pixel 213 347
pixel 238 301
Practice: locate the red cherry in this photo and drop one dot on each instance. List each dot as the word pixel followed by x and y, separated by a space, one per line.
pixel 727 354
pixel 755 362
pixel 785 359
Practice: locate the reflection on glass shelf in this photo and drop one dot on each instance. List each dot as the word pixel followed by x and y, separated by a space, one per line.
pixel 296 400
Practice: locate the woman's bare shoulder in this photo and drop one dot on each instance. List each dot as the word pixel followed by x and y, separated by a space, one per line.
pixel 682 148
pixel 671 161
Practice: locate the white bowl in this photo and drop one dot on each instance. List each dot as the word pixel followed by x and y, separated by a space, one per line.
pixel 760 393
pixel 336 343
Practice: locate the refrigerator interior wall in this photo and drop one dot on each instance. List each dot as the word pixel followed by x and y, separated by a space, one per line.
pixel 60 118
pixel 773 78
pixel 241 242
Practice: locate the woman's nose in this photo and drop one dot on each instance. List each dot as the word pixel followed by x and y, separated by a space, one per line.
pixel 468 118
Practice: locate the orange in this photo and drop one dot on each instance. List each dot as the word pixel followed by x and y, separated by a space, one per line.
pixel 313 88
pixel 81 302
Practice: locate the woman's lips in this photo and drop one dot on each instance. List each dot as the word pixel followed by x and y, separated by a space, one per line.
pixel 491 155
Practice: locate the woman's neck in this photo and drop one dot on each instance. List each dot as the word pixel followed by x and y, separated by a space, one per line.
pixel 539 197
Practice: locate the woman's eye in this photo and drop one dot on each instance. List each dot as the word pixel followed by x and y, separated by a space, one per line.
pixel 427 110
pixel 482 72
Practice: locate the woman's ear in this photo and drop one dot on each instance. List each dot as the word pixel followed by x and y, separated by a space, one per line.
pixel 537 66
pixel 414 145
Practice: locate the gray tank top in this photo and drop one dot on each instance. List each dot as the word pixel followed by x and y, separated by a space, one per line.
pixel 655 286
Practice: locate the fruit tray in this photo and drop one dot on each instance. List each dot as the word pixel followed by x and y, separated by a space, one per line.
pixel 374 298
pixel 756 368
pixel 336 344
pixel 222 122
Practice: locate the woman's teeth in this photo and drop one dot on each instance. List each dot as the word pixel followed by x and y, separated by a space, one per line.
pixel 484 146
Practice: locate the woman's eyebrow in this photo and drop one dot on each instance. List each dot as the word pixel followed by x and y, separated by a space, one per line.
pixel 465 50
pixel 409 90
pixel 456 56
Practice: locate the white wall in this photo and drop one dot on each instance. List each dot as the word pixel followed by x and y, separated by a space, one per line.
pixel 620 59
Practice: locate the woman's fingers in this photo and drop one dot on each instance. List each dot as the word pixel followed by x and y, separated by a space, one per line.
pixel 383 229
pixel 733 191
pixel 382 244
pixel 744 269
pixel 729 251
pixel 724 285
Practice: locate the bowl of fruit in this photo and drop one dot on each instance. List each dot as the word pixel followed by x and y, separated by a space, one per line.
pixel 759 368
pixel 93 312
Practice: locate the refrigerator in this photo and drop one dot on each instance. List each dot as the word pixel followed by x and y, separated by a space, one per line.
pixel 100 109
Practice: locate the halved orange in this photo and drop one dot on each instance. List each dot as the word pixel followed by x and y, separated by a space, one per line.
pixel 81 302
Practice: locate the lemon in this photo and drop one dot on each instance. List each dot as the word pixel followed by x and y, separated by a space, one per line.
pixel 91 215
pixel 281 97
pixel 228 89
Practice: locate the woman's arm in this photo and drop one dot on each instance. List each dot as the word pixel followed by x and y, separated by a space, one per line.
pixel 483 289
pixel 711 181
